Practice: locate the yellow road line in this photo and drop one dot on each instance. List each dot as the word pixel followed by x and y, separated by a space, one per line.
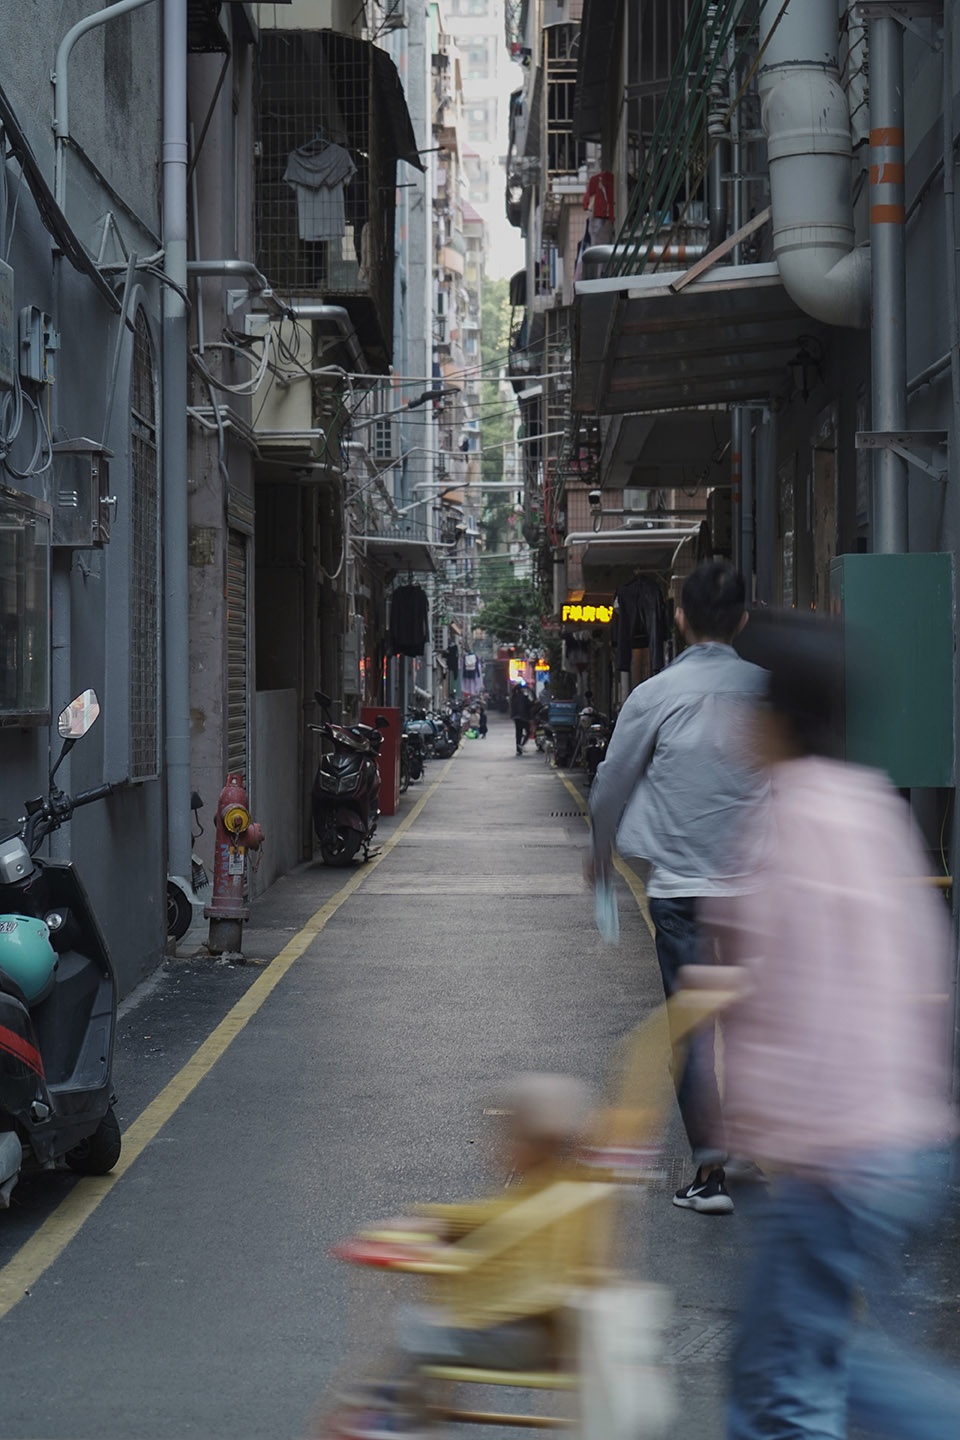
pixel 38 1253
pixel 635 884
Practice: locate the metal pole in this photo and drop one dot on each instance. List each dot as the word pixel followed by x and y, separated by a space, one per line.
pixel 736 483
pixel 747 547
pixel 953 313
pixel 61 93
pixel 174 374
pixel 766 490
pixel 887 243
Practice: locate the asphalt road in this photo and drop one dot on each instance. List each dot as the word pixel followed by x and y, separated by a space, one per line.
pixel 198 1297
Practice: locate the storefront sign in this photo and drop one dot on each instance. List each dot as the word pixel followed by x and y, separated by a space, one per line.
pixel 587 614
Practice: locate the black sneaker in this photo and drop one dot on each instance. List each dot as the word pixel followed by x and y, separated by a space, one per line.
pixel 708 1196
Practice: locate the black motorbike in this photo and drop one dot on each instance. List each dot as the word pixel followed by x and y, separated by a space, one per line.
pixel 346 788
pixel 58 994
pixel 413 742
pixel 595 741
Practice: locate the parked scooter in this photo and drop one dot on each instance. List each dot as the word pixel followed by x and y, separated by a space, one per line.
pixel 412 741
pixel 596 740
pixel 58 993
pixel 182 898
pixel 346 787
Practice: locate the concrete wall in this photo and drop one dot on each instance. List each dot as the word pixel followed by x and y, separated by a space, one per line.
pixel 115 116
pixel 275 795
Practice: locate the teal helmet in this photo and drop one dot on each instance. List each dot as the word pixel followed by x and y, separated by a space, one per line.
pixel 27 956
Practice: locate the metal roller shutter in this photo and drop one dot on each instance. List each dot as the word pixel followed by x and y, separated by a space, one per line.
pixel 237 659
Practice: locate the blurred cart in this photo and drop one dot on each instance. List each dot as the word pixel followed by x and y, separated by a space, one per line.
pixel 564 1240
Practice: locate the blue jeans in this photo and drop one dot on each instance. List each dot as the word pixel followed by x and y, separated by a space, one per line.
pixel 678 944
pixel 802 1366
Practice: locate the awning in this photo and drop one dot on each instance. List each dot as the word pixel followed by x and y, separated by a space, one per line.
pixel 600 30
pixel 395 555
pixel 608 552
pixel 726 338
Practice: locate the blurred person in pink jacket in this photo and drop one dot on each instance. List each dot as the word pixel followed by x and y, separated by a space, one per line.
pixel 837 1072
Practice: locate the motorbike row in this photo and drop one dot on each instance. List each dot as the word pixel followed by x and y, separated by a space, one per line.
pixel 569 737
pixel 346 787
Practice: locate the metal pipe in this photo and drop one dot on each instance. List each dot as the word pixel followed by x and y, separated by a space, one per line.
pixel 341 318
pixel 717 136
pixel 766 493
pixel 888 335
pixel 616 537
pixel 952 300
pixel 736 485
pixel 930 372
pixel 602 254
pixel 176 576
pixel 807 123
pixel 61 93
pixel 747 545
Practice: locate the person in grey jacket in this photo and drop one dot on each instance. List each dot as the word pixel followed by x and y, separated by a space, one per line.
pixel 675 789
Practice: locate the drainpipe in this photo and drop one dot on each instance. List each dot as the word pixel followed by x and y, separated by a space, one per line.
pixel 888 336
pixel 736 486
pixel 767 518
pixel 176 578
pixel 807 124
pixel 747 542
pixel 61 113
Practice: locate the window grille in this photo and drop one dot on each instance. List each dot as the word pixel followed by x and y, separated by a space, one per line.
pixel 315 92
pixel 145 558
pixel 383 440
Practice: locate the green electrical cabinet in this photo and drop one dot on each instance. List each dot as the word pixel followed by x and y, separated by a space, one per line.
pixel 898 617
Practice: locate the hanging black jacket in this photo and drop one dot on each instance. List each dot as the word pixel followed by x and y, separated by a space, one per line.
pixel 641 608
pixel 409 621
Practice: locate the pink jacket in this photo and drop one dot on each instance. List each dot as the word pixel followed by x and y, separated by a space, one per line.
pixel 842 1041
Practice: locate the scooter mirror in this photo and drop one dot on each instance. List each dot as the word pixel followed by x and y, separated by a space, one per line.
pixel 78 716
pixel 322 699
pixel 382 723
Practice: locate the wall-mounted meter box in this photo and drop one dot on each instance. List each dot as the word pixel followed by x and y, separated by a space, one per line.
pixel 82 505
pixel 8 330
pixel 898 620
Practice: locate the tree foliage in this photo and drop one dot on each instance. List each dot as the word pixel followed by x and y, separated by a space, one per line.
pixel 498 428
pixel 511 615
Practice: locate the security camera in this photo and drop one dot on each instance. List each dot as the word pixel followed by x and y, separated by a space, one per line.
pixel 595 497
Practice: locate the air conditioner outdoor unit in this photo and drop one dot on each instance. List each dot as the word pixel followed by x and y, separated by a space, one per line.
pixel 285 406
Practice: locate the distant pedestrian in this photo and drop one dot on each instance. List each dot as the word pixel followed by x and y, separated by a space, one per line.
pixel 520 713
pixel 482 721
pixel 674 789
pixel 837 1063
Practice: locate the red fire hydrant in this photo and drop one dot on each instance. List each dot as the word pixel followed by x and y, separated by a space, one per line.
pixel 236 833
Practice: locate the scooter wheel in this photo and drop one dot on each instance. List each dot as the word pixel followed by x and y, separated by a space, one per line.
pixel 98 1154
pixel 179 912
pixel 340 847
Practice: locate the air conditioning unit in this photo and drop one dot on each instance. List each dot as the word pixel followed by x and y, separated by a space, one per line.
pixel 283 406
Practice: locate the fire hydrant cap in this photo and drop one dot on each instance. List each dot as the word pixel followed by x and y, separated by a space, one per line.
pixel 235 819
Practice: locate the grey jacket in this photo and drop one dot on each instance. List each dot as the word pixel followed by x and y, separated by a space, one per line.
pixel 676 786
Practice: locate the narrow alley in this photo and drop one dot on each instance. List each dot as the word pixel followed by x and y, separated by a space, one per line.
pixel 199 1297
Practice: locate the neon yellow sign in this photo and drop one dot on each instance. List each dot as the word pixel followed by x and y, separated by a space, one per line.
pixel 588 614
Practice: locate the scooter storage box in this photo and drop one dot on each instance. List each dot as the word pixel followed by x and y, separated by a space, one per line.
pixel 563 714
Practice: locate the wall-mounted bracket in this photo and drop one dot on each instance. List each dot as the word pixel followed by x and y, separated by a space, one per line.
pixel 905 12
pixel 903 443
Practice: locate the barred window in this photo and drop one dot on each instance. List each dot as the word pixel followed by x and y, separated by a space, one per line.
pixel 145 561
pixel 383 440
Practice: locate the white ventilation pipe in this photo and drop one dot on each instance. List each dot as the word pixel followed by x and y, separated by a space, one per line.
pixel 807 124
